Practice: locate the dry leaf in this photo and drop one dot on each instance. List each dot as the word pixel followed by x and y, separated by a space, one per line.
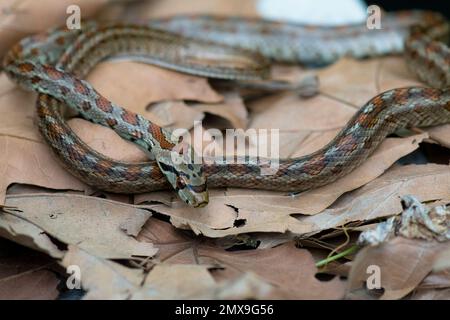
pixel 234 211
pixel 317 200
pixel 443 261
pixel 441 135
pixel 177 282
pixel 96 228
pixel 231 109
pixel 146 84
pixel 106 141
pixel 294 278
pixel 436 280
pixel 25 274
pixel 19 106
pixel 364 79
pixel 431 294
pixel 28 162
pixel 174 114
pixel 417 221
pixel 93 224
pixel 104 279
pixel 164 8
pixel 403 264
pixel 303 124
pixel 169 281
pixel 25 159
pixel 246 287
pixel 21 18
pixel 380 198
pixel 27 234
pixel 170 241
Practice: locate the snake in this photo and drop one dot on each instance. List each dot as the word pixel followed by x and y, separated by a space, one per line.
pixel 54 65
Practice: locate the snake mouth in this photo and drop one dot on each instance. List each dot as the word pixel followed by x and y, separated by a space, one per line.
pixel 202 204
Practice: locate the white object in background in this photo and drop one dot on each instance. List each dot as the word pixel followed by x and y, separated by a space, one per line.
pixel 322 12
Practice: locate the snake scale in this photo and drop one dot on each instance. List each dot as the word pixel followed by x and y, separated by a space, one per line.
pixel 54 64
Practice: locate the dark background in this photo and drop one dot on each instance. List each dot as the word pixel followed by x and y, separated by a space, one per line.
pixel 442 6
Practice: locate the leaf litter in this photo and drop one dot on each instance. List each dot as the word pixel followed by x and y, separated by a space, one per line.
pixel 142 246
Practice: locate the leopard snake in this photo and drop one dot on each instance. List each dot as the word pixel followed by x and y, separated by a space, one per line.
pixel 54 63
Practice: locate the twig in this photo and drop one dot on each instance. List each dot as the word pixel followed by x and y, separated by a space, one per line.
pixel 350 250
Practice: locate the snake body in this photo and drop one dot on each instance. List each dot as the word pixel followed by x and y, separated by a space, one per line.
pixel 307 44
pixel 54 63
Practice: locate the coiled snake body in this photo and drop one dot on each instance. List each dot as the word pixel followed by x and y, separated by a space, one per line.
pixel 53 64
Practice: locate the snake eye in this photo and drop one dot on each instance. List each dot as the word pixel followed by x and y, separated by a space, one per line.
pixel 180 183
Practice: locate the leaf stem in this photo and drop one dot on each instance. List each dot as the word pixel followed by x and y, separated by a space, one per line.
pixel 350 250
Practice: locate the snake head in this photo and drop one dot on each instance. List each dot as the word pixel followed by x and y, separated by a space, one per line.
pixel 185 177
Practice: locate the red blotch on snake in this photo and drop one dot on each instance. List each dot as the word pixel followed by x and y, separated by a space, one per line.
pixel 157 133
pixel 52 72
pixel 104 104
pixel 80 87
pixel 130 117
pixel 26 67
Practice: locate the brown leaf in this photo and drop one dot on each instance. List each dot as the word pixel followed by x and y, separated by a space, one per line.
pixel 380 198
pixel 246 287
pixel 28 162
pixel 25 158
pixel 164 8
pixel 442 263
pixel 431 294
pixel 364 79
pixel 436 280
pixel 91 223
pixel 441 135
pixel 295 275
pixel 104 279
pixel 177 282
pixel 171 242
pixel 294 278
pixel 403 263
pixel 303 124
pixel 146 84
pixel 231 109
pixel 106 141
pixel 27 234
pixel 25 274
pixel 21 18
pixel 235 211
pixel 317 200
pixel 174 114
pixel 19 106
